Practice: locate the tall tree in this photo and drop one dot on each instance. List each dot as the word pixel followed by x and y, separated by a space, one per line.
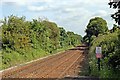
pixel 95 27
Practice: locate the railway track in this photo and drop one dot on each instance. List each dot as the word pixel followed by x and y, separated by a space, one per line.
pixel 56 66
pixel 20 69
pixel 59 68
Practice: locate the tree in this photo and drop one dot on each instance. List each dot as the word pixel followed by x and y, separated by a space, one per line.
pixel 115 4
pixel 15 33
pixel 74 39
pixel 63 37
pixel 95 27
pixel 31 39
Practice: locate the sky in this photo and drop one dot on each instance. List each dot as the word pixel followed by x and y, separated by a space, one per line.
pixel 72 15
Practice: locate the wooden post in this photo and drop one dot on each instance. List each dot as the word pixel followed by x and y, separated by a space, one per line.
pixel 98 64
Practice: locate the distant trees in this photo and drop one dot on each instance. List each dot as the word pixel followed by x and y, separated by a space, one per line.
pixel 95 27
pixel 74 39
pixel 17 34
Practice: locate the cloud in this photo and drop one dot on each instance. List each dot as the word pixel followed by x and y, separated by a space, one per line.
pixel 17 2
pixel 94 2
pixel 24 2
pixel 68 10
pixel 37 8
pixel 75 18
pixel 72 15
pixel 101 13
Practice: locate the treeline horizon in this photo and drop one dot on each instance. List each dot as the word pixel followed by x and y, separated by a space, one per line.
pixel 24 40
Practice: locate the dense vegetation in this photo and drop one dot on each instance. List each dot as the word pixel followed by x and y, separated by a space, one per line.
pixel 95 27
pixel 27 40
pixel 110 61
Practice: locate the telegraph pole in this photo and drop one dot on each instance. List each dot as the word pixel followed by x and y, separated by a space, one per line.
pixel 115 4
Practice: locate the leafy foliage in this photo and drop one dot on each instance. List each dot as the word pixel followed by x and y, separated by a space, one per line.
pixel 27 40
pixel 110 61
pixel 95 27
pixel 116 15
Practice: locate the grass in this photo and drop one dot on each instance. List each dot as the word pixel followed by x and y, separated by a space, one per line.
pixel 12 58
pixel 84 70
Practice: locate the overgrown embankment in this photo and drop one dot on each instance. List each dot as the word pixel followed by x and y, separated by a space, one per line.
pixel 110 61
pixel 23 40
pixel 98 35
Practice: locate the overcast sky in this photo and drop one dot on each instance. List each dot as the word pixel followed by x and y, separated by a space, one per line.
pixel 73 15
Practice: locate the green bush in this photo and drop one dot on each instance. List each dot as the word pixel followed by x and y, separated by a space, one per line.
pixel 110 62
